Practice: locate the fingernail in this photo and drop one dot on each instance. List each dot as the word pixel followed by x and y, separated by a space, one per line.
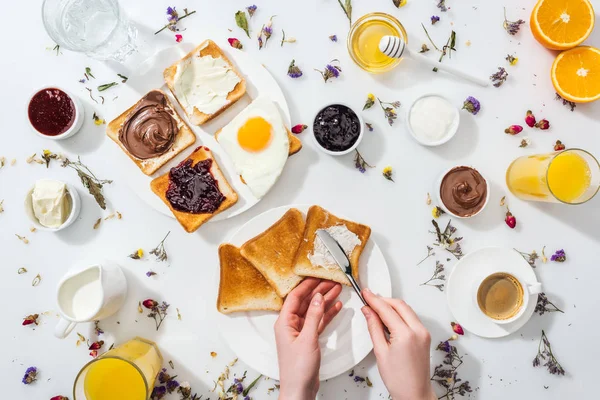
pixel 366 312
pixel 317 300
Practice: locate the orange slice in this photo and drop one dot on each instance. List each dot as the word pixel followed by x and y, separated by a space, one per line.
pixel 562 24
pixel 576 74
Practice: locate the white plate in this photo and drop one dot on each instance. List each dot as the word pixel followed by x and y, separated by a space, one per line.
pixel 346 340
pixel 472 269
pixel 150 76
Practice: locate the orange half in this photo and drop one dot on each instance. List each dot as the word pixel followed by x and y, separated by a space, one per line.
pixel 562 24
pixel 576 74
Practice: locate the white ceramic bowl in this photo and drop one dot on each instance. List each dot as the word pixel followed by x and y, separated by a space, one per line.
pixel 79 115
pixel 439 197
pixel 75 210
pixel 449 135
pixel 354 146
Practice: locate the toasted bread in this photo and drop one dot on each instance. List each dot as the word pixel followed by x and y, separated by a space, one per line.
pixel 189 221
pixel 242 287
pixel 318 218
pixel 183 139
pixel 295 143
pixel 273 251
pixel 206 48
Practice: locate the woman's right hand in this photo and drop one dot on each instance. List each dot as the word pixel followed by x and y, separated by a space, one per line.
pixel 403 359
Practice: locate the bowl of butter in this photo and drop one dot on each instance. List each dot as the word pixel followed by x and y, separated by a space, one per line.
pixel 52 205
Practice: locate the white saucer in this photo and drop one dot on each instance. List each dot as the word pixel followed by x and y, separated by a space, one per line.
pixel 346 340
pixel 473 268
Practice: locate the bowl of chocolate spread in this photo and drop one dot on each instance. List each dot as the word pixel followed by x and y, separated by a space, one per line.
pixel 463 192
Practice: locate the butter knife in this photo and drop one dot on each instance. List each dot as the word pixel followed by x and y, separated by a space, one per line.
pixel 340 258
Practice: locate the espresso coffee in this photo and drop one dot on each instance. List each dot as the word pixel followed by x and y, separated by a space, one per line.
pixel 500 296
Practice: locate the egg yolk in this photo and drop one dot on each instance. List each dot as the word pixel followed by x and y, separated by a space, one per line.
pixel 255 134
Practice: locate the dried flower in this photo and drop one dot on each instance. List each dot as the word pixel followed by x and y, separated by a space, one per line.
pixel 360 163
pixel 446 375
pixel 430 253
pixel 267 32
pixel 347 8
pixel 369 126
pixel 544 305
pixel 136 255
pixel 251 10
pixel 358 379
pixel 94 353
pixel 513 130
pixel 542 124
pixel 567 103
pixel 31 319
pixel 37 280
pixel 333 38
pixel 178 38
pixel 446 240
pixel 447 49
pixel 512 27
pixel 81 339
pixel 30 375
pixel 173 18
pixel 178 314
pixel 472 105
pixel 159 251
pixel 330 71
pixel 59 398
pixel 544 258
pixel 531 258
pixel 89 180
pixel 158 311
pixel 96 345
pixel 545 355
pixel 299 128
pixel 149 303
pixel 1 206
pixel 499 77
pixel 512 60
pixel 213 354
pixel 285 39
pixel 442 5
pixel 242 22
pixel 559 256
pixel 400 3
pixel 424 48
pixel 150 273
pixel 48 156
pixel 22 271
pixel 294 71
pixel 99 331
pixel 158 392
pixel 369 102
pixel 525 142
pixel 438 275
pixel 428 199
pixel 389 110
pixel 140 309
pixel 530 119
pixel 559 146
pixel 437 212
pixel 22 239
pixel 434 19
pixel 457 328
pixel 387 173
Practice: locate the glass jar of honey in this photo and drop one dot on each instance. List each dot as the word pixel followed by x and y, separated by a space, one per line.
pixel 364 38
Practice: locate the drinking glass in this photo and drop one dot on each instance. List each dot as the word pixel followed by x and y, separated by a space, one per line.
pixel 125 372
pixel 98 28
pixel 570 177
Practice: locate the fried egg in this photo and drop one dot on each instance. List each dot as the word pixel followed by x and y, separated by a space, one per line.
pixel 257 142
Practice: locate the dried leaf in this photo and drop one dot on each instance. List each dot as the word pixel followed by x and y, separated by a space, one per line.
pixel 13 162
pixel 140 309
pixel 213 354
pixel 22 239
pixel 36 281
pixel 97 224
pixel 242 22
pixel 428 199
pixel 30 159
pixel 178 314
pixel 231 364
pixel 171 364
pixel 119 216
pixel 81 339
pixel 89 180
pixel 1 206
pixel 109 216
pixel 106 86
pixel 22 271
pixel 32 229
pixel 502 201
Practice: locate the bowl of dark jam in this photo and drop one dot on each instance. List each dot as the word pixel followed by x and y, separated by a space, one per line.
pixel 337 129
pixel 54 113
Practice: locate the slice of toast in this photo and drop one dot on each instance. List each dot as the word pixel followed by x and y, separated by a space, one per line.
pixel 183 139
pixel 206 48
pixel 319 218
pixel 273 251
pixel 191 222
pixel 242 287
pixel 295 143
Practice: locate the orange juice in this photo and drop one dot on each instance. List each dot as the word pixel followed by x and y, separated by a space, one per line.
pixel 556 177
pixel 126 372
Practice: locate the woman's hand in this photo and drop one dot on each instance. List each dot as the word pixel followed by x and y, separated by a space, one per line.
pixel 403 359
pixel 306 312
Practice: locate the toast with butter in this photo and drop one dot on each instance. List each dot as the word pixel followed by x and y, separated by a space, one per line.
pixel 313 259
pixel 191 221
pixel 205 82
pixel 242 287
pixel 273 252
pixel 151 132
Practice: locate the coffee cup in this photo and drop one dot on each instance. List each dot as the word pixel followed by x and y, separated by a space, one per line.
pixel 503 298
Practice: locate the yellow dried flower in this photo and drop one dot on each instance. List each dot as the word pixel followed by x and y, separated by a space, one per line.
pixel 436 212
pixel 371 97
pixel 387 173
pixel 140 253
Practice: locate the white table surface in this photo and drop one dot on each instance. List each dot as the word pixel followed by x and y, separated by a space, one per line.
pixel 396 211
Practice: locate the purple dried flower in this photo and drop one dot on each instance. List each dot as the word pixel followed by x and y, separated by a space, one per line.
pixel 499 77
pixel 512 27
pixel 444 346
pixel 251 10
pixel 172 385
pixel 239 388
pixel 472 105
pixel 172 15
pixel 333 38
pixel 442 5
pixel 330 71
pixel 360 163
pixel 150 273
pixel 559 256
pixel 268 31
pixel 294 71
pixel 30 376
pixel 158 392
pixel 359 379
pixel 434 19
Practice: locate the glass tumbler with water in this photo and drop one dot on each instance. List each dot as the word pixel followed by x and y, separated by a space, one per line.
pixel 98 28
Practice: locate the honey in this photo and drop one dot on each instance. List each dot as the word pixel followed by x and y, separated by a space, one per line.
pixel 364 38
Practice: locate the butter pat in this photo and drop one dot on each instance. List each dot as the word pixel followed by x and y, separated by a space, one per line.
pixel 204 83
pixel 321 257
pixel 50 203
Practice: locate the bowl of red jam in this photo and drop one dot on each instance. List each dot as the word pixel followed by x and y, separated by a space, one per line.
pixel 337 129
pixel 54 113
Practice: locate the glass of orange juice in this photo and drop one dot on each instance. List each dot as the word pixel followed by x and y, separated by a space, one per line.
pixel 571 177
pixel 126 372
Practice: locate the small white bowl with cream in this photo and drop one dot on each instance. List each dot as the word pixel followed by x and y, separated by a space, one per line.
pixel 432 120
pixel 52 205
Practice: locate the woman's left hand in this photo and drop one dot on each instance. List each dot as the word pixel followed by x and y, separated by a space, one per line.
pixel 307 311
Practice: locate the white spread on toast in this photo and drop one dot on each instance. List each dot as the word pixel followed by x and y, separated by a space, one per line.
pixel 321 257
pixel 204 83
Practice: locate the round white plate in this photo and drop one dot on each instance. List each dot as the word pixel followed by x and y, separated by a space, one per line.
pixel 470 270
pixel 150 76
pixel 346 340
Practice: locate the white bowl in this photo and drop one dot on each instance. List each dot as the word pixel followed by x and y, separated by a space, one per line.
pixel 354 146
pixel 79 115
pixel 438 196
pixel 449 135
pixel 75 210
